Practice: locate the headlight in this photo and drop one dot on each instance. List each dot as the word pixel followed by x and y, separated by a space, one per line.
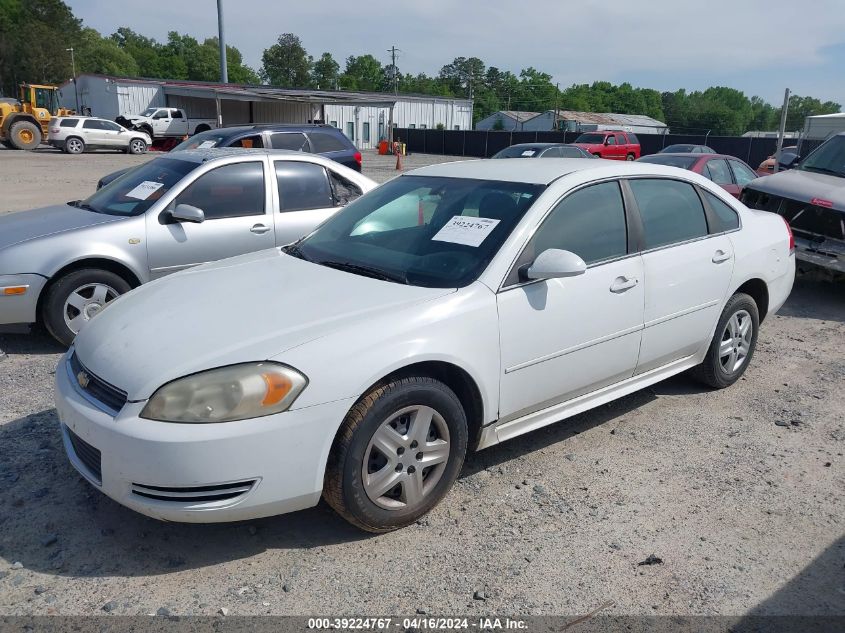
pixel 237 392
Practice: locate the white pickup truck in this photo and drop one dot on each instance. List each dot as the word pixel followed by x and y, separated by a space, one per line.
pixel 166 123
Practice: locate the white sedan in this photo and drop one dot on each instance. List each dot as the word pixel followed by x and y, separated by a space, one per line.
pixel 455 307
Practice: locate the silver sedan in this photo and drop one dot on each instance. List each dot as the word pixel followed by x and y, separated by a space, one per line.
pixel 61 265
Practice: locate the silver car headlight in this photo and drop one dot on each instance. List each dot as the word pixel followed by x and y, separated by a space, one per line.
pixel 226 394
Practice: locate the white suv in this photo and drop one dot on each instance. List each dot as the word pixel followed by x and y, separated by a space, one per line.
pixel 76 134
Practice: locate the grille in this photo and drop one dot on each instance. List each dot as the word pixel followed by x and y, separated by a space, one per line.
pixel 193 494
pixel 805 218
pixel 87 454
pixel 96 389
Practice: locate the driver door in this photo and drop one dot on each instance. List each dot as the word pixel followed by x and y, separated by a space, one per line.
pixel 235 201
pixel 562 338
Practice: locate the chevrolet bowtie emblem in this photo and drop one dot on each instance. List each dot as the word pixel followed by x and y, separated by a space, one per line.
pixel 83 379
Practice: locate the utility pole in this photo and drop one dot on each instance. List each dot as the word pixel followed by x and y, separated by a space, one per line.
pixel 394 75
pixel 781 129
pixel 224 73
pixel 73 68
pixel 554 114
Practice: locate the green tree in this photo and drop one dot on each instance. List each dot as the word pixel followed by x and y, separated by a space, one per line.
pixel 364 72
pixel 802 107
pixel 96 54
pixel 325 72
pixel 286 63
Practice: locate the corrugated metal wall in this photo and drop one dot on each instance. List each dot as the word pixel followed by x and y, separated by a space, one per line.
pixel 109 99
pixel 284 112
pixel 366 125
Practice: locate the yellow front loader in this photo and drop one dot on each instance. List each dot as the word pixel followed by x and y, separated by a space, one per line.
pixel 24 123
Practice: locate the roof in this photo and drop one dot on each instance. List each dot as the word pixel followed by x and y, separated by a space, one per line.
pixel 539 172
pixel 516 115
pixel 609 118
pixel 252 92
pixel 210 153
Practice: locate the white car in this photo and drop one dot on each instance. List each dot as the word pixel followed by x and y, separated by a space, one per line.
pixel 76 134
pixel 450 309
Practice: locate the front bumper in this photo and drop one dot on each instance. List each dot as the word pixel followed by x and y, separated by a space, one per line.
pixel 199 473
pixel 20 308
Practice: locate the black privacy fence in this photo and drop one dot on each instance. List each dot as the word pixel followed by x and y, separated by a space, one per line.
pixel 485 143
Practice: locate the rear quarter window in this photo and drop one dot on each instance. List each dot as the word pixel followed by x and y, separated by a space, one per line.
pixel 69 123
pixel 728 218
pixel 323 142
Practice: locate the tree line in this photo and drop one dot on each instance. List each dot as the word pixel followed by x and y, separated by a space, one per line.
pixel 35 36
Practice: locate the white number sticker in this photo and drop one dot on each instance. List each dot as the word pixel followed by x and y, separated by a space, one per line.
pixel 145 190
pixel 529 152
pixel 466 230
pixel 205 145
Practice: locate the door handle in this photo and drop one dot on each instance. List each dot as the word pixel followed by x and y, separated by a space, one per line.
pixel 259 229
pixel 621 284
pixel 720 256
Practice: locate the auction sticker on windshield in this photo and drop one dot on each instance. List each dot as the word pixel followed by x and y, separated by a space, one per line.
pixel 466 230
pixel 145 190
pixel 205 145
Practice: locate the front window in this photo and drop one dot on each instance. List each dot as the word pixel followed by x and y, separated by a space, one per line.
pixel 591 139
pixel 421 230
pixel 149 112
pixel 138 189
pixel 829 158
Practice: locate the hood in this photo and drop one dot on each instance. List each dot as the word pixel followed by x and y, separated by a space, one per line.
pixel 804 186
pixel 28 225
pixel 247 308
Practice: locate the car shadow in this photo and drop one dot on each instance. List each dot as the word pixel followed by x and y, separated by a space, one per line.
pixel 25 340
pixel 816 296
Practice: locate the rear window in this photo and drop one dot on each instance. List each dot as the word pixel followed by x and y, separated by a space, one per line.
pixel 590 138
pixel 295 141
pixel 684 162
pixel 322 142
pixel 68 122
pixel 632 139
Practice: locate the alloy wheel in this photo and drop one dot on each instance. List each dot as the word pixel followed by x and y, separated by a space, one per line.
pixel 736 341
pixel 137 147
pixel 85 302
pixel 74 146
pixel 405 458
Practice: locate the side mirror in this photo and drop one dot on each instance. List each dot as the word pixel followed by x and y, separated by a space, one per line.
pixel 555 263
pixel 188 213
pixel 788 160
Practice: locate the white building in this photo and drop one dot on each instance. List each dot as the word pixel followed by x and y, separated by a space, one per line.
pixel 365 117
pixel 822 126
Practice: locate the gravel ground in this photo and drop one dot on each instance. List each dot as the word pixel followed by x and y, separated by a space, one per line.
pixel 739 493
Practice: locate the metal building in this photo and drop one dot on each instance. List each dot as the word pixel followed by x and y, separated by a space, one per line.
pixel 365 117
pixel 572 121
pixel 508 121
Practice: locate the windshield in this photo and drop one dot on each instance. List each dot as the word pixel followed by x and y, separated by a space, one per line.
pixel 684 162
pixel 421 230
pixel 590 138
pixel 149 112
pixel 138 189
pixel 209 138
pixel 518 151
pixel 829 158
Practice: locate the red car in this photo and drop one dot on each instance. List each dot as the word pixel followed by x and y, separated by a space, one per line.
pixel 729 172
pixel 613 144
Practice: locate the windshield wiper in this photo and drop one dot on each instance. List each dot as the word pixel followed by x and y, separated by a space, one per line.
pixel 294 251
pixel 367 271
pixel 823 170
pixel 83 205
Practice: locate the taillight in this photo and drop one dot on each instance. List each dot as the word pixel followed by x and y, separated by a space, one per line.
pixel 791 236
pixel 357 158
pixel 55 130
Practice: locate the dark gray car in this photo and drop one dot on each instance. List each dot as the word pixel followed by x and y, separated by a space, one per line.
pixel 543 150
pixel 61 265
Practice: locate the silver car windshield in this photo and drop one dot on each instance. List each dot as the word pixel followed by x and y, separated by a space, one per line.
pixel 421 230
pixel 138 189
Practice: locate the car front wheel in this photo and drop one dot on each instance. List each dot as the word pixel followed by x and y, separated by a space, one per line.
pixel 397 454
pixel 76 298
pixel 733 343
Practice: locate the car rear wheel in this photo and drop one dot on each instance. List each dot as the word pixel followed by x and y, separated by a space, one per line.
pixel 74 299
pixel 630 157
pixel 74 145
pixel 137 146
pixel 397 454
pixel 733 343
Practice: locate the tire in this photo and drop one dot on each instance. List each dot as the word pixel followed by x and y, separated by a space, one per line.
pixel 725 363
pixel 25 135
pixel 597 155
pixel 136 146
pixel 630 157
pixel 395 409
pixel 202 127
pixel 74 145
pixel 78 294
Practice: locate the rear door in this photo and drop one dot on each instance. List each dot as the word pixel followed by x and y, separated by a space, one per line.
pixel 303 198
pixel 236 202
pixel 687 270
pixel 743 174
pixel 178 125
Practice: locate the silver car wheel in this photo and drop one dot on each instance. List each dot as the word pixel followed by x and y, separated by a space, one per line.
pixel 85 302
pixel 405 458
pixel 74 146
pixel 137 146
pixel 736 341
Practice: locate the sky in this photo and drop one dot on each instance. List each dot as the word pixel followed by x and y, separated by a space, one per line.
pixel 758 46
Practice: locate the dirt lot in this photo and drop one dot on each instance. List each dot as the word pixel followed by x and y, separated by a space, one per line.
pixel 740 493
